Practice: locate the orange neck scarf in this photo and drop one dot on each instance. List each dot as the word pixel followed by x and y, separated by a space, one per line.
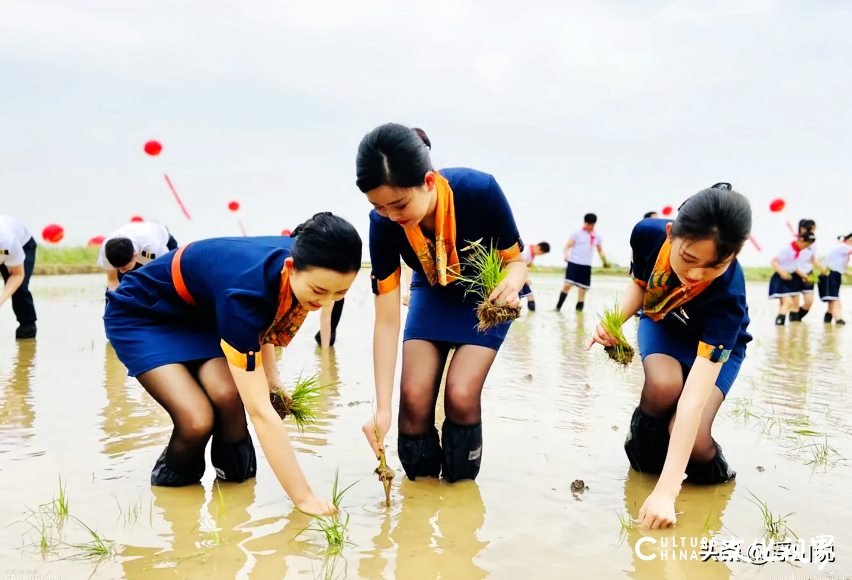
pixel 440 260
pixel 660 298
pixel 289 317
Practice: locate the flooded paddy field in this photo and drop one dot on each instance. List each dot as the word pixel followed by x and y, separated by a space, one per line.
pixel 552 412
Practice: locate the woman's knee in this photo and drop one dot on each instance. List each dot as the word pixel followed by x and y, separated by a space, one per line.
pixel 195 424
pixel 661 393
pixel 218 383
pixel 463 403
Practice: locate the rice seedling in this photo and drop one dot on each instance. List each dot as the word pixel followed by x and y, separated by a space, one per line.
pixel 383 471
pixel 627 523
pixel 131 512
pixel 708 521
pixel 774 526
pixel 612 320
pixel 302 404
pixel 95 549
pixel 332 527
pixel 62 501
pixel 742 408
pixel 487 271
pixel 208 526
pixel 329 570
pixel 824 455
pixel 221 508
pixel 42 524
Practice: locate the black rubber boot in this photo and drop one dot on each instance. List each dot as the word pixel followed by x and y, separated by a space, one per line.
pixel 827 318
pixel 794 316
pixel 780 320
pixel 562 297
pixel 165 475
pixel 531 305
pixel 802 313
pixel 579 307
pixel 420 455
pixel 26 331
pixel 710 472
pixel 234 462
pixel 648 442
pixel 462 451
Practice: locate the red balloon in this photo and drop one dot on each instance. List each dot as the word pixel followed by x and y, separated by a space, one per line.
pixel 96 241
pixel 53 233
pixel 137 218
pixel 153 148
pixel 668 210
pixel 286 233
pixel 234 206
pixel 777 205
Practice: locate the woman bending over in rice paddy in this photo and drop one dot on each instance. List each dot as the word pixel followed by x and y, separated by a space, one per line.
pixel 198 326
pixel 692 340
pixel 429 218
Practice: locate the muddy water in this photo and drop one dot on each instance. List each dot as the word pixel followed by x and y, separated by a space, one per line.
pixel 552 412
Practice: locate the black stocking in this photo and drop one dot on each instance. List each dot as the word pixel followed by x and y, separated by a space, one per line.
pixel 465 379
pixel 422 369
pixel 177 391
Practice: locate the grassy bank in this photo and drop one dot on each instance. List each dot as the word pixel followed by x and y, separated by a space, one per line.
pixel 53 261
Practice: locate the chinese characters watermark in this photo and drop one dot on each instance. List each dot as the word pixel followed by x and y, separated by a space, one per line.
pixel 820 550
pixel 22 574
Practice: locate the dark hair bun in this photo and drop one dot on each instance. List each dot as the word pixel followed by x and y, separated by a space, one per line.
pixel 422 134
pixel 326 241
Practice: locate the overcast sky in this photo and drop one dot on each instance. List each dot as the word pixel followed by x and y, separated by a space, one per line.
pixel 610 106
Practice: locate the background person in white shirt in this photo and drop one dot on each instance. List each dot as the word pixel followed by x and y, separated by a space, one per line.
pixel 131 247
pixel 836 265
pixel 17 261
pixel 578 253
pixel 529 254
pixel 787 281
pixel 807 263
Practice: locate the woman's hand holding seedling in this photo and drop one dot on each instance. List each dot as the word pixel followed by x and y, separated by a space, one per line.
pixel 316 506
pixel 631 302
pixel 658 511
pixel 379 423
pixel 602 336
pixel 509 289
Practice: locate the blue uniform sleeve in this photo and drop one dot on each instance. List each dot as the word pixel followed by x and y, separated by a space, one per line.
pixel 724 319
pixel 384 255
pixel 241 317
pixel 642 243
pixel 505 236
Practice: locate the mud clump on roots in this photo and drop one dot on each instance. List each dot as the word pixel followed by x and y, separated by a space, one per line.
pixel 280 403
pixel 493 313
pixel 622 354
pixel 386 476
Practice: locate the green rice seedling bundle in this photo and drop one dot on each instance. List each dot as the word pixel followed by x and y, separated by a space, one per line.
pixel 486 272
pixel 302 404
pixel 612 320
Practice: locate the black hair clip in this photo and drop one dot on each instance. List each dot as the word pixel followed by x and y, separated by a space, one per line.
pixel 723 186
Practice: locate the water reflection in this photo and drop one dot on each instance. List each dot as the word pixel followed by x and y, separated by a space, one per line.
pixel 16 412
pixel 129 422
pixel 703 509
pixel 436 536
pixel 203 539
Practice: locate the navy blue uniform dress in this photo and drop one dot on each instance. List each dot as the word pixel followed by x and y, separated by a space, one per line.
pixel 716 320
pixel 436 312
pixel 236 286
